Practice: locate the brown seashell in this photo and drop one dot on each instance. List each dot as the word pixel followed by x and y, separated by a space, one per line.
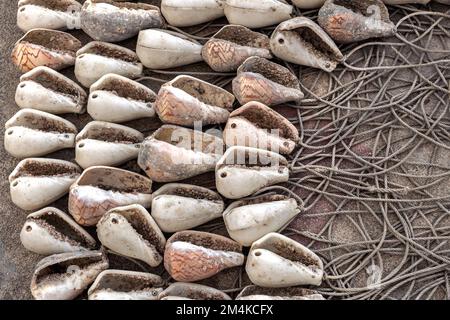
pixel 185 100
pixel 175 153
pixel 231 45
pixel 100 189
pixel 261 80
pixel 352 21
pixel 45 47
pixel 258 126
pixel 193 255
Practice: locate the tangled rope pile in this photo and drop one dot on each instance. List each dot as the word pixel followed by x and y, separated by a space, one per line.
pixel 373 167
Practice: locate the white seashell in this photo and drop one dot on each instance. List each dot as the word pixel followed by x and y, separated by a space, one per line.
pixel 115 98
pixel 132 232
pixel 64 276
pixel 257 14
pixel 186 100
pixel 47 90
pixel 247 220
pixel 50 231
pixel 106 144
pixel 175 153
pixel 258 168
pixel 300 40
pixel 49 14
pixel 113 21
pixel 258 126
pixel 33 133
pixel 177 207
pixel 277 261
pixel 97 58
pixel 162 49
pixel 185 13
pixel 37 182
pixel 125 285
pixel 253 292
pixel 191 291
pixel 309 4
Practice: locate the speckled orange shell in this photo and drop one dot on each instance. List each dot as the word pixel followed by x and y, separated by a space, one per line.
pixel 27 56
pixel 88 214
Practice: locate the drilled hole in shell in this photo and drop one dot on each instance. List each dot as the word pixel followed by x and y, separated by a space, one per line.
pixel 10 132
pixel 257 253
pixel 114 221
pixel 233 125
pixel 223 175
pixel 94 96
pixel 81 145
pixel 22 85
pixel 28 228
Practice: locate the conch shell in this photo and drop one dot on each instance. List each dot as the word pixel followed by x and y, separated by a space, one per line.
pixel 253 292
pixel 125 285
pixel 257 14
pixel 97 58
pixel 182 13
pixel 232 45
pixel 33 133
pixel 50 231
pixel 162 49
pixel 132 232
pixel 37 182
pixel 45 47
pixel 186 100
pixel 115 98
pixel 308 4
pixel 191 291
pixel 277 261
pixel 261 80
pixel 106 144
pixel 47 90
pixel 112 21
pixel 177 207
pixel 100 189
pixel 64 276
pixel 256 125
pixel 258 168
pixel 49 14
pixel 175 153
pixel 193 255
pixel 352 21
pixel 301 41
pixel 247 220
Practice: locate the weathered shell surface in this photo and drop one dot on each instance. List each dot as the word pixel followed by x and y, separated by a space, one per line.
pixel 186 100
pixel 300 40
pixel 258 168
pixel 194 291
pixel 50 231
pixel 49 14
pixel 132 232
pixel 97 59
pixel 352 21
pixel 100 189
pixel 184 13
pixel 177 207
pixel 106 144
pixel 113 21
pixel 45 47
pixel 162 49
pixel 115 98
pixel 37 182
pixel 193 255
pixel 34 133
pixel 175 153
pixel 125 285
pixel 248 220
pixel 277 261
pixel 64 276
pixel 258 126
pixel 232 45
pixel 47 90
pixel 257 14
pixel 308 4
pixel 253 292
pixel 261 80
